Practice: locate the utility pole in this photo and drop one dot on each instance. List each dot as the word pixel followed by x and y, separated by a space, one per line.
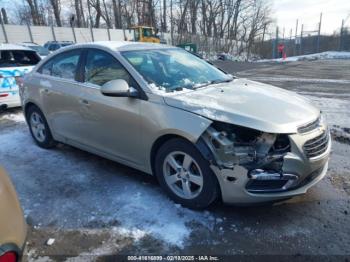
pixel 301 40
pixel 274 44
pixel 319 34
pixel 341 35
pixel 171 22
pixel 263 36
pixel 295 40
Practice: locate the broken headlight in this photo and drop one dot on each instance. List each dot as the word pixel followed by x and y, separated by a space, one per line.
pixel 233 145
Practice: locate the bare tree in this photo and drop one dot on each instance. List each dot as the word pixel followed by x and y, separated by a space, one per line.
pixel 117 13
pixel 33 5
pixel 56 6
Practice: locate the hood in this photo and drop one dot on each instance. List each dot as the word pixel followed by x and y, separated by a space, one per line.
pixel 249 104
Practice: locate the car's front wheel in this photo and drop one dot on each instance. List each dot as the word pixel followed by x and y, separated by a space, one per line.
pixel 39 128
pixel 185 175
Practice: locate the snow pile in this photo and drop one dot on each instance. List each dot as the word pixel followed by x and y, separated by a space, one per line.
pixel 311 57
pixel 243 57
pixel 15 117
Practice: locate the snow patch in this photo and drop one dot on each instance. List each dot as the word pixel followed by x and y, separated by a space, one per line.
pixel 18 117
pixel 311 57
pixel 79 190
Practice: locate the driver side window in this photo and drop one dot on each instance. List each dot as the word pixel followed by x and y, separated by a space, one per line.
pixel 102 67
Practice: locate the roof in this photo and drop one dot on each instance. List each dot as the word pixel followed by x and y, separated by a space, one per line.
pixel 124 45
pixel 13 47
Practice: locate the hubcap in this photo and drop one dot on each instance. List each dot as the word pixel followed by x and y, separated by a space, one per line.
pixel 38 127
pixel 183 175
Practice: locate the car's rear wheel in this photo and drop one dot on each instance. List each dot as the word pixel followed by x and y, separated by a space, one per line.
pixel 39 128
pixel 185 175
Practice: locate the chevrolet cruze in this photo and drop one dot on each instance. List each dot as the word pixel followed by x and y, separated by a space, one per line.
pixel 204 134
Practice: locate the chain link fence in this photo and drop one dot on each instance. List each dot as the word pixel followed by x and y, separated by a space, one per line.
pixel 303 43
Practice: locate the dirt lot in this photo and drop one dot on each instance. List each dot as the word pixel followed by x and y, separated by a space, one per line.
pixel 93 207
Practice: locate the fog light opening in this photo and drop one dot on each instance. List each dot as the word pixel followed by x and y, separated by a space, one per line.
pixel 269 181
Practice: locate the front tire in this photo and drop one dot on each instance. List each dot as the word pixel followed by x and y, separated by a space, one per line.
pixel 39 128
pixel 185 175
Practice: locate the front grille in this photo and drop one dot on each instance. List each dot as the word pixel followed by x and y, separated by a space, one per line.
pixel 309 127
pixel 316 146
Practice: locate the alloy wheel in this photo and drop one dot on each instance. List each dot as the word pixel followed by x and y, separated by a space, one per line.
pixel 38 127
pixel 183 175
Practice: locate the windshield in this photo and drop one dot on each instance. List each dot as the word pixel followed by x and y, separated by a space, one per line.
pixel 41 50
pixel 147 32
pixel 12 58
pixel 174 69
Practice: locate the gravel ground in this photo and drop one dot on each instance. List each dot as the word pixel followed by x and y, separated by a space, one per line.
pixel 94 207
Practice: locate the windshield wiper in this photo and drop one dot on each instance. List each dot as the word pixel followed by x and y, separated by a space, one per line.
pixel 212 82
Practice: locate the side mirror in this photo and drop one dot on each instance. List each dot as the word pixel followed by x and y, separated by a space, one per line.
pixel 118 88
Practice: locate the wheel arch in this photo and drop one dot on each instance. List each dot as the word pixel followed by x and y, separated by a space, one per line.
pixel 27 106
pixel 158 143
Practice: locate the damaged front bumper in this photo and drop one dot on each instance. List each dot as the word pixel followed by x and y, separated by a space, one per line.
pixel 234 191
pixel 303 166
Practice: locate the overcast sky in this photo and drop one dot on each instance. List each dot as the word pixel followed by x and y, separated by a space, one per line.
pixel 308 12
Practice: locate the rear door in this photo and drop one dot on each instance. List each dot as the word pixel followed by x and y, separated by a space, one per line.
pixel 62 94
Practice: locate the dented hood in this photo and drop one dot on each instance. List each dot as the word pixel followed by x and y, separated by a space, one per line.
pixel 248 103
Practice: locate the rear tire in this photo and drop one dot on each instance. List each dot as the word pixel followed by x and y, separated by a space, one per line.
pixel 39 128
pixel 185 175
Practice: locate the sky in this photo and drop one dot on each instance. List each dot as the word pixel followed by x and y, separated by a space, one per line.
pixel 286 12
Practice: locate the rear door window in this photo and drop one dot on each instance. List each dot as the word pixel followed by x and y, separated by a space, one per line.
pixel 64 65
pixel 17 58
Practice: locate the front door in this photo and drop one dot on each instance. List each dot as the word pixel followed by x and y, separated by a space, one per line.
pixel 110 124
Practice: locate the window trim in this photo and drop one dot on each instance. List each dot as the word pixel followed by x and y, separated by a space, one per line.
pixel 81 71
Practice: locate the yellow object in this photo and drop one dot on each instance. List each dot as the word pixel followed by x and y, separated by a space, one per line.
pixel 145 34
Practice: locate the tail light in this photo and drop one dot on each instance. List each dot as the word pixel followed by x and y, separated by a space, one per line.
pixel 8 257
pixel 4 95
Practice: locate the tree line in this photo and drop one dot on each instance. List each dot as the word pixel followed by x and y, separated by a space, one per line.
pixel 226 25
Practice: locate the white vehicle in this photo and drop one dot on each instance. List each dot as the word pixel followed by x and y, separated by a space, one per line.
pixel 15 61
